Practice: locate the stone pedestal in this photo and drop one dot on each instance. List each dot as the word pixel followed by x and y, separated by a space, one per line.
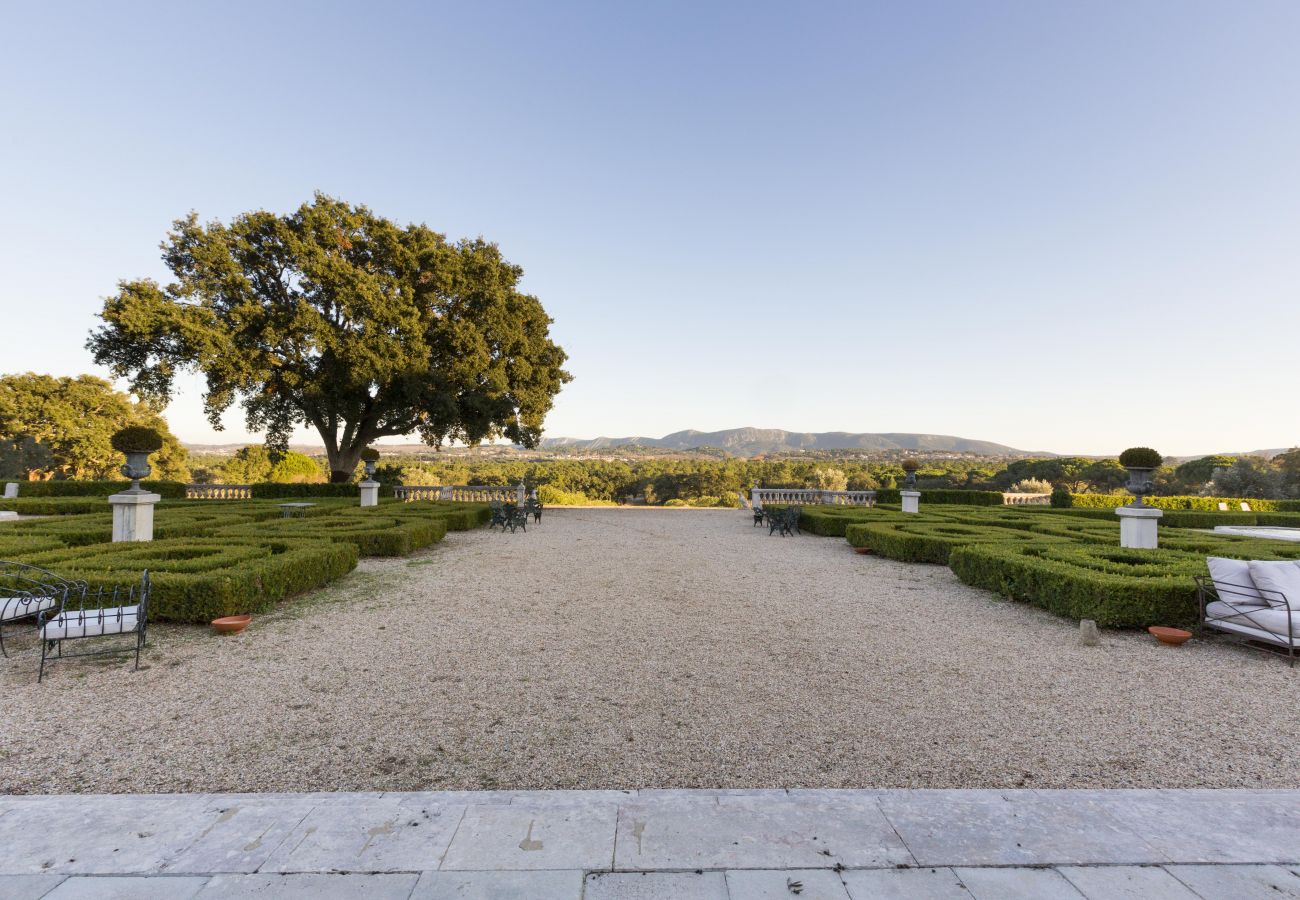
pixel 1137 526
pixel 133 515
pixel 11 491
pixel 369 493
pixel 911 501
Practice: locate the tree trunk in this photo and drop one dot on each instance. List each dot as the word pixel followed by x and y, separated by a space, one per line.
pixel 343 462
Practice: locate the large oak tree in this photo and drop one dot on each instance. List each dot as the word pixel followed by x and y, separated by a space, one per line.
pixel 339 319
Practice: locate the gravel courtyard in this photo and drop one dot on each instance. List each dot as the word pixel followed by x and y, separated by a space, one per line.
pixel 649 648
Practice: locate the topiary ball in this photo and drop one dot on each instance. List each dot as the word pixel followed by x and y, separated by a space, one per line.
pixel 1140 458
pixel 370 454
pixel 136 439
pixel 910 465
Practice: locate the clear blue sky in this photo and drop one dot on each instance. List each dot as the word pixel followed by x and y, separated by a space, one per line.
pixel 990 219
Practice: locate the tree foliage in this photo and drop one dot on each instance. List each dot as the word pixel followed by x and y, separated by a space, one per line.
pixel 337 319
pixel 63 428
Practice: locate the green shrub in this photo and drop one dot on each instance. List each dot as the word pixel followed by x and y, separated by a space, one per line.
pixel 931 542
pixel 1140 458
pixel 458 516
pixel 269 490
pixel 169 490
pixel 200 579
pixel 373 531
pixel 1202 504
pixel 136 439
pixel 1178 518
pixel 1061 497
pixel 944 496
pixel 54 506
pixel 1121 588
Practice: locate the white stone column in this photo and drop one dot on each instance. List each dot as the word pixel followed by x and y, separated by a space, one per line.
pixel 133 515
pixel 911 501
pixel 1137 526
pixel 369 493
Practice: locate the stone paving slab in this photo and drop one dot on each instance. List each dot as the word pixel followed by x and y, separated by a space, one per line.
pixel 745 845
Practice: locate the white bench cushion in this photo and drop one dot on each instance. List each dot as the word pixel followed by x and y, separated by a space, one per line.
pixel 18 607
pixel 1268 621
pixel 1232 581
pixel 92 622
pixel 1275 580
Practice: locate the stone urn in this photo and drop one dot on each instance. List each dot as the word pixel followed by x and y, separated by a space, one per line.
pixel 136 468
pixel 370 469
pixel 1140 483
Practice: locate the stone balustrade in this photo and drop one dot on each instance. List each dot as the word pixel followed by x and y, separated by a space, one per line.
pixel 218 492
pixel 461 493
pixel 810 497
pixel 1026 499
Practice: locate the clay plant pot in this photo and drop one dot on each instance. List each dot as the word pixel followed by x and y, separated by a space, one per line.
pixel 1170 636
pixel 862 550
pixel 231 624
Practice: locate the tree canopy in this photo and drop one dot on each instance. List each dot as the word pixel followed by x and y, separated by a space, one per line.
pixel 343 321
pixel 63 428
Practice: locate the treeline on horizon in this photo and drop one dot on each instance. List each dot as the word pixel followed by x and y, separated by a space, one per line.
pixel 659 480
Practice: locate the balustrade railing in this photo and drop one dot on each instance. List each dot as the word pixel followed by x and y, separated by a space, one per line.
pixel 218 492
pixel 461 493
pixel 810 497
pixel 1026 499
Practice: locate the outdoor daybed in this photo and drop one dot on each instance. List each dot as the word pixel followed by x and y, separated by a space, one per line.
pixel 1253 600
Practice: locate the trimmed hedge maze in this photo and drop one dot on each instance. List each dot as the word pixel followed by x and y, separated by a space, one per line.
pixel 1065 560
pixel 213 558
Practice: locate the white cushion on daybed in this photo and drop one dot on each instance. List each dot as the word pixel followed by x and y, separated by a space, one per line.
pixel 1232 581
pixel 1277 580
pixel 18 607
pixel 1267 623
pixel 76 624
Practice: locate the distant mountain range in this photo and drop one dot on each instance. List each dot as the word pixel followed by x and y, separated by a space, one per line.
pixel 756 441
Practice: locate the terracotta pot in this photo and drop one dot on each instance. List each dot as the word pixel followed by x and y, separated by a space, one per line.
pixel 231 624
pixel 1171 636
pixel 863 550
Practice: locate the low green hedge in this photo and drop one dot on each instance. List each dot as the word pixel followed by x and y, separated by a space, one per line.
pixel 200 579
pixel 1198 504
pixel 54 506
pixel 272 490
pixel 458 516
pixel 373 532
pixel 932 542
pixel 169 490
pixel 1133 588
pixel 944 496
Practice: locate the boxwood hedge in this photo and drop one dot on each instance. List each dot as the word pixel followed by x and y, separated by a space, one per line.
pixel 214 558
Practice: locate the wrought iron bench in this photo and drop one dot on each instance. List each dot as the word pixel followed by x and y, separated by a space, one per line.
pixel 86 612
pixel 500 516
pixel 516 517
pixel 26 591
pixel 1251 613
pixel 534 506
pixel 784 522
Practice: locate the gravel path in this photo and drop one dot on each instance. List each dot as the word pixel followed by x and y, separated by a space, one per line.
pixel 649 648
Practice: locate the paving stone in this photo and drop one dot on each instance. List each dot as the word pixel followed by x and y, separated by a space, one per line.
pixel 985 828
pixel 383 835
pixel 1126 883
pixel 247 829
pixel 535 835
pixel 383 886
pixel 904 884
pixel 535 885
pixel 28 887
pixel 127 887
pixel 749 832
pixel 117 834
pixel 656 886
pixel 780 884
pixel 1239 882
pixel 1206 827
pixel 1017 884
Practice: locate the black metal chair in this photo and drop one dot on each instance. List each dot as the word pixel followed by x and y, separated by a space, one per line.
pixel 86 612
pixel 534 506
pixel 26 591
pixel 500 515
